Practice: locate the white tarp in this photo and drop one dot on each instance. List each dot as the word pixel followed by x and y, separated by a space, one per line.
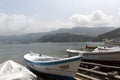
pixel 11 70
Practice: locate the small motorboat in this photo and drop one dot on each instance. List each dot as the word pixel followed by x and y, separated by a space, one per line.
pixel 11 70
pixel 64 68
pixel 99 54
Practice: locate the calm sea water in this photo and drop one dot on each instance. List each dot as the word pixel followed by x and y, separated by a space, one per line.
pixel 17 51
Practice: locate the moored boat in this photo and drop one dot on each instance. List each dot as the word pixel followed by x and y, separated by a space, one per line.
pixel 64 68
pixel 99 54
pixel 111 42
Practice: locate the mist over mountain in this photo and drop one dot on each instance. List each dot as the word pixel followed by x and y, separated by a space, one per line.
pixel 89 31
pixel 22 38
pixel 114 34
pixel 65 37
pixel 86 31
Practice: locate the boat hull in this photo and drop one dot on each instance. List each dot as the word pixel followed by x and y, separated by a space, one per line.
pixel 99 57
pixel 50 76
pixel 115 63
pixel 64 69
pixel 102 56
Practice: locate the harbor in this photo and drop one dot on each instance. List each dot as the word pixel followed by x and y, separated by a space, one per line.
pixel 86 70
pixel 59 40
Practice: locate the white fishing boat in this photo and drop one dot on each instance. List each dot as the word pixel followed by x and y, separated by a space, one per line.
pixel 64 68
pixel 11 70
pixel 99 54
pixel 111 42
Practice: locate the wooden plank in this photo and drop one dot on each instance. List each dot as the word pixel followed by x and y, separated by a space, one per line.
pixel 101 74
pixel 77 78
pixel 87 77
pixel 96 64
pixel 93 71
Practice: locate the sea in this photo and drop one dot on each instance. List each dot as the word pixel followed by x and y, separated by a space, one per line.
pixel 16 52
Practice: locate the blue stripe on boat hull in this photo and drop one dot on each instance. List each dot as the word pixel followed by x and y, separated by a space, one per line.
pixel 53 63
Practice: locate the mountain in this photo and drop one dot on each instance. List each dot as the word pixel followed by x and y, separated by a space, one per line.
pixel 86 31
pixel 114 34
pixel 89 31
pixel 64 37
pixel 22 38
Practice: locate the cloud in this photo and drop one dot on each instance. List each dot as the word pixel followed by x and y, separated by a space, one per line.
pixel 11 24
pixel 96 18
pixel 14 24
pixel 119 11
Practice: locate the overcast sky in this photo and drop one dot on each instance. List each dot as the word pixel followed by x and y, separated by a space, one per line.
pixel 28 16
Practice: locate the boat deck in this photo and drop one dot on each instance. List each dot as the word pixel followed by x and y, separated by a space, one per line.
pixel 94 71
